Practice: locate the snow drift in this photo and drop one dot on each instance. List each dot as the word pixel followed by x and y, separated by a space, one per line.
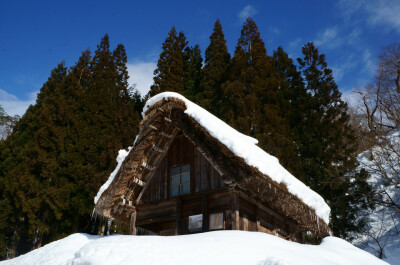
pixel 222 247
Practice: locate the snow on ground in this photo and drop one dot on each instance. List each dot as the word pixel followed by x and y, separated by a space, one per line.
pixel 246 147
pixel 221 247
pixel 383 223
pixel 57 252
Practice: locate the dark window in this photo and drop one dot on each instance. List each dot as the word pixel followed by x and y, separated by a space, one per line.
pixel 180 180
pixel 195 223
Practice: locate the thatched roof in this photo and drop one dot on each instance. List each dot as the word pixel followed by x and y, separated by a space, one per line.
pixel 163 120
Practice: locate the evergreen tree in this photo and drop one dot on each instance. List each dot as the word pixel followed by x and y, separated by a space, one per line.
pixel 215 71
pixel 139 102
pixel 170 67
pixel 29 168
pixel 246 89
pixel 63 149
pixel 251 93
pixel 193 63
pixel 328 142
pixel 291 101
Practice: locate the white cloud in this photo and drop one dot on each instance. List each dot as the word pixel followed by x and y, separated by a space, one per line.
pixel 337 73
pixel 334 37
pixel 351 98
pixel 15 106
pixel 247 11
pixel 378 13
pixel 141 74
pixel 345 66
pixel 274 30
pixel 328 38
pixel 369 62
pixel 353 36
pixel 386 13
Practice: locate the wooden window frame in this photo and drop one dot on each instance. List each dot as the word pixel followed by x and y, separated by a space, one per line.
pixel 181 184
pixel 223 221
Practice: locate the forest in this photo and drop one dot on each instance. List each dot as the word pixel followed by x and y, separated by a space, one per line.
pixel 55 157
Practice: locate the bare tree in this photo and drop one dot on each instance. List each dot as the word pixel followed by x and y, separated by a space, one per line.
pixel 380 106
pixel 6 123
pixel 378 120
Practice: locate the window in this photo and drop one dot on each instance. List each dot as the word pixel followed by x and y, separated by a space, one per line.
pixel 216 221
pixel 195 223
pixel 180 180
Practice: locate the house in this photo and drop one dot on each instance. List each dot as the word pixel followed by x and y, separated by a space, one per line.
pixel 189 172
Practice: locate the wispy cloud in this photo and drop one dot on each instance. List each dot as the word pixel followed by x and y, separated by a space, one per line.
pixel 351 98
pixel 354 35
pixel 369 62
pixel 141 75
pixel 345 66
pixel 14 105
pixel 274 30
pixel 247 11
pixel 328 38
pixel 336 36
pixel 294 48
pixel 378 13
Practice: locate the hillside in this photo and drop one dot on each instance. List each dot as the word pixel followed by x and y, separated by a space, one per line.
pixel 222 247
pixel 381 236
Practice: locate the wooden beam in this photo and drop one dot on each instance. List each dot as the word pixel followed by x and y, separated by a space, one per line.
pixel 153 127
pixel 261 206
pixel 157 148
pixel 166 135
pixel 132 224
pixel 235 211
pixel 147 166
pixel 205 213
pixel 156 220
pixel 167 145
pixel 178 223
pixel 138 182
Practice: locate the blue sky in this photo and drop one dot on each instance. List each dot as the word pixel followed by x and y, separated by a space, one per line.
pixel 37 35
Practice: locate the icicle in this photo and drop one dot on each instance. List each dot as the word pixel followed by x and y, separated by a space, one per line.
pixel 93 213
pixel 109 223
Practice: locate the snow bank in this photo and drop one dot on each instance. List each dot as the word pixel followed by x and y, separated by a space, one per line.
pixel 58 252
pixel 222 247
pixel 246 147
pixel 120 158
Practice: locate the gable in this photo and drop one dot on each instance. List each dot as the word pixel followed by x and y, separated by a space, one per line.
pixel 168 119
pixel 182 152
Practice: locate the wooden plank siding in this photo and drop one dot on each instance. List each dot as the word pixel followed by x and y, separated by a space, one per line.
pixel 162 214
pixel 182 151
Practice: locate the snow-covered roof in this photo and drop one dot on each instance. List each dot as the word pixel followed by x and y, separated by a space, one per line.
pixel 120 159
pixel 246 147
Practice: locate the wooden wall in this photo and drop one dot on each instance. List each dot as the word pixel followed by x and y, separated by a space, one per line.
pixel 182 151
pixel 170 217
pixel 166 215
